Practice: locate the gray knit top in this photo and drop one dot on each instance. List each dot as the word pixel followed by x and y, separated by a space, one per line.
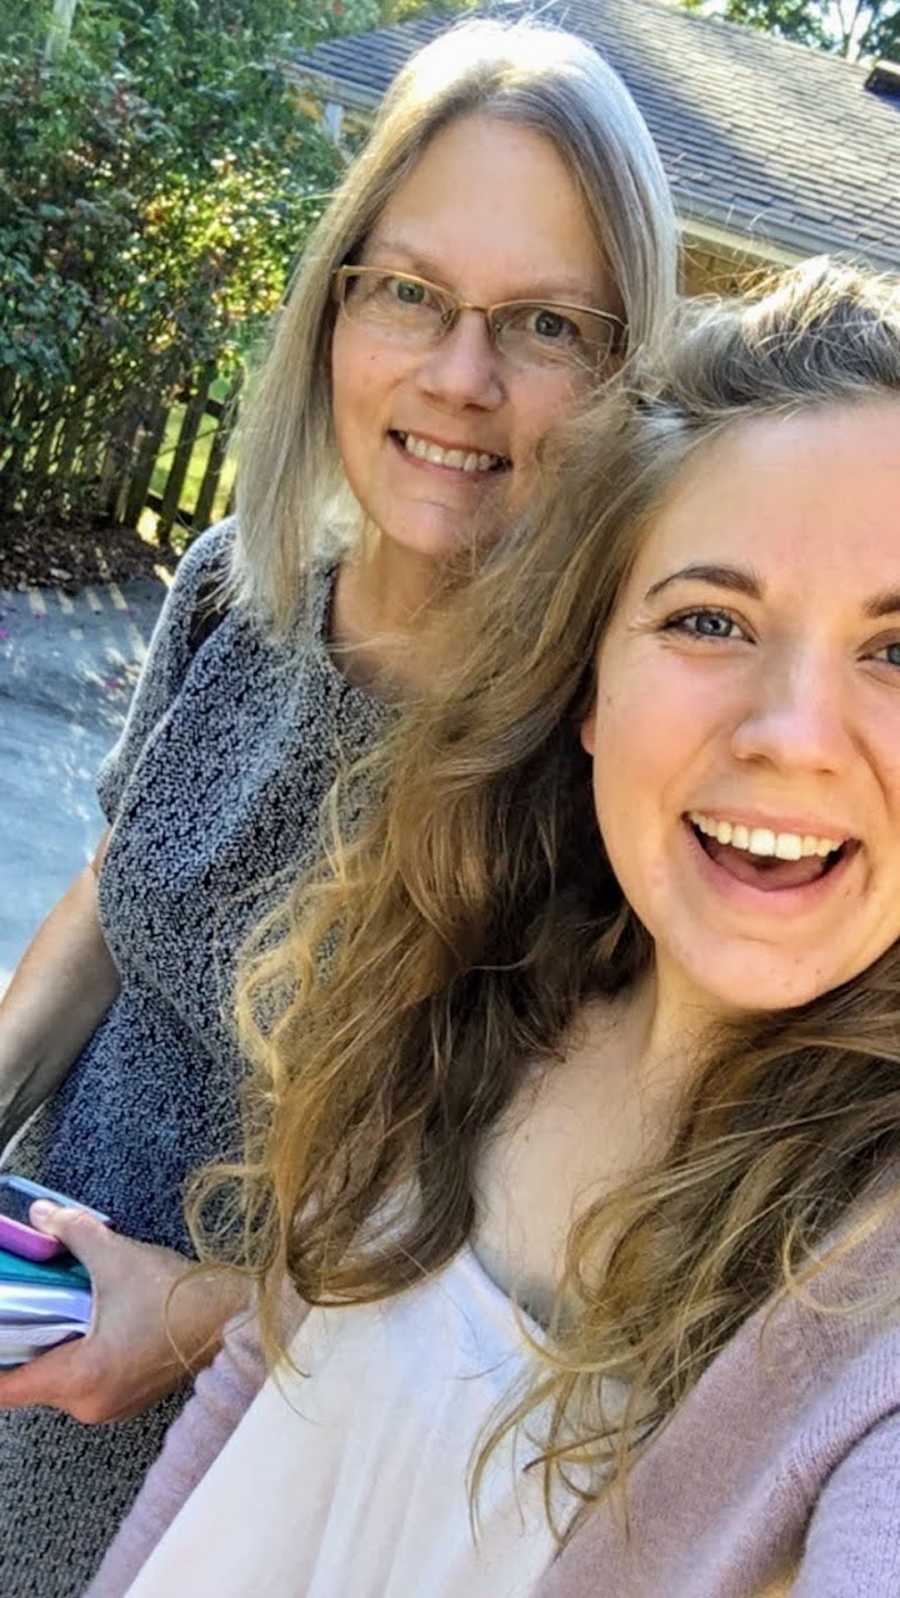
pixel 213 791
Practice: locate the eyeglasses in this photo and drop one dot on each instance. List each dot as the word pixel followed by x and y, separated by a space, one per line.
pixel 533 335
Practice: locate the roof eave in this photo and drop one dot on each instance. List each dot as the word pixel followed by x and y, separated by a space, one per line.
pixel 746 234
pixel 351 96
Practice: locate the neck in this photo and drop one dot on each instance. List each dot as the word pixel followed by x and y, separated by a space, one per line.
pixel 661 1037
pixel 676 1026
pixel 381 593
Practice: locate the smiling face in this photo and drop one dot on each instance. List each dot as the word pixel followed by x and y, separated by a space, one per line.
pixel 747 719
pixel 491 212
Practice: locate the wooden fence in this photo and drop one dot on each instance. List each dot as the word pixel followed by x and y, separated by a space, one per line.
pixel 172 461
pixel 204 417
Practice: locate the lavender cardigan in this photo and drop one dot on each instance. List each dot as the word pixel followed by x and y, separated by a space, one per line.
pixel 779 1474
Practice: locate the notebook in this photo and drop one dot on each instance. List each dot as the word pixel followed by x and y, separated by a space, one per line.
pixel 41 1305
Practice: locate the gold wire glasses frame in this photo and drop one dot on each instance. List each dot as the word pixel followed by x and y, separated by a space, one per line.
pixel 531 333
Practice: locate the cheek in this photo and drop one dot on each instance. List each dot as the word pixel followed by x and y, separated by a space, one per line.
pixel 363 378
pixel 617 751
pixel 636 742
pixel 639 760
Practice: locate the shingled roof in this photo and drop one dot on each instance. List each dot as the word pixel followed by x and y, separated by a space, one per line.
pixel 767 144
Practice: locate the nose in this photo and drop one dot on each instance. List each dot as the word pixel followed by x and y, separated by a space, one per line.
pixel 464 369
pixel 796 717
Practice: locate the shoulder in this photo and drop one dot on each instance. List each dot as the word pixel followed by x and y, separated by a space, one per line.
pixel 207 560
pixel 200 594
pixel 842 1334
pixel 209 577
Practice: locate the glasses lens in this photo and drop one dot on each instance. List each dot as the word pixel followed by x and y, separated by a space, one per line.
pixel 554 335
pixel 405 309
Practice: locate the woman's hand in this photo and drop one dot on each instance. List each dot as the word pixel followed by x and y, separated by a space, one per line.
pixel 134 1353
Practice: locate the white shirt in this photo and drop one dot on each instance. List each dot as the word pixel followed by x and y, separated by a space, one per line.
pixel 353 1481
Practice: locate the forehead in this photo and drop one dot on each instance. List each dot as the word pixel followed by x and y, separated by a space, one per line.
pixel 810 501
pixel 491 208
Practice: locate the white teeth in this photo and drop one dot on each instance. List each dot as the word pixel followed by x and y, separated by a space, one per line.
pixel 788 846
pixel 458 460
pixel 762 840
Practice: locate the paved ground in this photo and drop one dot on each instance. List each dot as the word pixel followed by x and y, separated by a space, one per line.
pixel 67 668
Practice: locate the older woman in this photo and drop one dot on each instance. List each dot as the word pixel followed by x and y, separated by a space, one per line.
pixel 504 238
pixel 584 1166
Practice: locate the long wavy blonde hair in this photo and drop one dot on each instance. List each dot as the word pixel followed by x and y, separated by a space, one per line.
pixel 392 1006
pixel 292 493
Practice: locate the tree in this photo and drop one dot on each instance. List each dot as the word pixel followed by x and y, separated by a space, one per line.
pixel 158 179
pixel 851 28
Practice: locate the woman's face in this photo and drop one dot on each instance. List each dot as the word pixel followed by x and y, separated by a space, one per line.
pixel 491 212
pixel 746 732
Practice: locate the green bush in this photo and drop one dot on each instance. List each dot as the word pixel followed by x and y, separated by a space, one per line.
pixel 156 183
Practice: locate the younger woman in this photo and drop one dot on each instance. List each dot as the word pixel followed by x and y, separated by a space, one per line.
pixel 586 1065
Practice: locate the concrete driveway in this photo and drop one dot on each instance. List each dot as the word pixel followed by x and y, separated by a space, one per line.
pixel 67 669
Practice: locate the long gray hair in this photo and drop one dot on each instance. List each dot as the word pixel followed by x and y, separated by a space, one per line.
pixel 290 471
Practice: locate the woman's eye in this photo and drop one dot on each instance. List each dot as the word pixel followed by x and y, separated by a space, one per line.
pixel 889 654
pixel 406 291
pixel 552 325
pixel 704 624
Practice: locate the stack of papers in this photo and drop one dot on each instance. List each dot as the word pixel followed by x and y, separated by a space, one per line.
pixel 40 1305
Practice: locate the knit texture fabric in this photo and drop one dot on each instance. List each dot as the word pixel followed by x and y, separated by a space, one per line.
pixel 214 791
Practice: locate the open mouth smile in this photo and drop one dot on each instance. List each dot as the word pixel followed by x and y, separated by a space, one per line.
pixel 469 462
pixel 768 861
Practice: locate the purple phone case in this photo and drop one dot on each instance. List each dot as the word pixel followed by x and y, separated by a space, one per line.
pixel 26 1242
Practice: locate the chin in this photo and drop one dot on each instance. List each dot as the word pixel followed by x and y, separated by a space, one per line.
pixel 432 542
pixel 766 988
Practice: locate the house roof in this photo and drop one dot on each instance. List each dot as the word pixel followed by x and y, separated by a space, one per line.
pixel 764 141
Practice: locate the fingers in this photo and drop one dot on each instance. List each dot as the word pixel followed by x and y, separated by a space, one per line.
pixel 86 1237
pixel 75 1378
pixel 47 1379
pixel 83 1379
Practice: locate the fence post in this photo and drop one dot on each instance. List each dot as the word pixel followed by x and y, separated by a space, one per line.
pixel 216 460
pixel 60 30
pixel 7 391
pixel 190 425
pixel 143 466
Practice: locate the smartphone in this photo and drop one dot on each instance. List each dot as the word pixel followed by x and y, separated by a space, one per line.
pixel 17 1194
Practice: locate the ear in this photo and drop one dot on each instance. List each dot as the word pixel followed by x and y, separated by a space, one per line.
pixel 587 731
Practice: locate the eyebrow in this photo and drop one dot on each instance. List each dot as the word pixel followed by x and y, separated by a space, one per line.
pixel 736 578
pixel 887 603
pixel 556 288
pixel 746 582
